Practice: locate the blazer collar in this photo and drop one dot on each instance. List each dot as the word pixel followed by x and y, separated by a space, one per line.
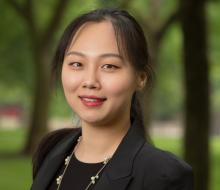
pixel 53 161
pixel 117 173
pixel 120 165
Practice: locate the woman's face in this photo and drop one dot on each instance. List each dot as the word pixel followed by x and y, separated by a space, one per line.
pixel 98 83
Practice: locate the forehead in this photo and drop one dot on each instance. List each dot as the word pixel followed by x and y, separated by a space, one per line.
pixel 93 37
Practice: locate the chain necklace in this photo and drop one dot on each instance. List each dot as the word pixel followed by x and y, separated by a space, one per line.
pixel 93 179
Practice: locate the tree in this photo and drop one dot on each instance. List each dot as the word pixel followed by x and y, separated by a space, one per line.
pixel 41 41
pixel 196 71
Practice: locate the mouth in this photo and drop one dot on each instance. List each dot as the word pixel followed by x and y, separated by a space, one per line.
pixel 92 98
pixel 92 101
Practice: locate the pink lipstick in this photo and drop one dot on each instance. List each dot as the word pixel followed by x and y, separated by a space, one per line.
pixel 92 101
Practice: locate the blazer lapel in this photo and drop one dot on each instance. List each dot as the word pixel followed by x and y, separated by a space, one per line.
pixel 118 172
pixel 53 161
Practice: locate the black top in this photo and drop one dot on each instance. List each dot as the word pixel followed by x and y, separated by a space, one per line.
pixel 77 175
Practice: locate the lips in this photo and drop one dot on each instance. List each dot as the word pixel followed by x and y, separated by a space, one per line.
pixel 92 98
pixel 92 101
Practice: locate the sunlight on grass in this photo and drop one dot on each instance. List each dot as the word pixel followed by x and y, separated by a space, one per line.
pixel 18 169
pixel 11 140
pixel 13 166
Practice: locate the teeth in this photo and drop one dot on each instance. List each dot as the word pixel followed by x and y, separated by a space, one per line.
pixel 90 100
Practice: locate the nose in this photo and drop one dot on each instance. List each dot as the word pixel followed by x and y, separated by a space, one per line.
pixel 91 80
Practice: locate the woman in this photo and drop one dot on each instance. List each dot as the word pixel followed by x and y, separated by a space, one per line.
pixel 102 59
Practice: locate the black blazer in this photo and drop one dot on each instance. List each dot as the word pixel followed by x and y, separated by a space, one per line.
pixel 135 165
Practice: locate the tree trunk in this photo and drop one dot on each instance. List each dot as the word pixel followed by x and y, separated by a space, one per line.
pixel 41 44
pixel 41 101
pixel 197 114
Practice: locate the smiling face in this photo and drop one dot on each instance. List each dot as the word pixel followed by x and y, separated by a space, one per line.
pixel 98 82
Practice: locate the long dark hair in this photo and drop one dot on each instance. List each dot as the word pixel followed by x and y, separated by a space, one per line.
pixel 132 45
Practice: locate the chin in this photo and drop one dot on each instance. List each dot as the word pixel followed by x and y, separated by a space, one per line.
pixel 93 120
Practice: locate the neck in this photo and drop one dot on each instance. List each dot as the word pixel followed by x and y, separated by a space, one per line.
pixel 100 142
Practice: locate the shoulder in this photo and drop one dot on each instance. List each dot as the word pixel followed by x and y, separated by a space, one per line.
pixel 161 159
pixel 48 142
pixel 162 168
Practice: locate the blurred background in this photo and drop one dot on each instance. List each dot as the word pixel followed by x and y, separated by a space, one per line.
pixel 181 113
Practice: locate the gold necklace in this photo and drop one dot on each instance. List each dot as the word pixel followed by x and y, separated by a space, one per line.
pixel 93 179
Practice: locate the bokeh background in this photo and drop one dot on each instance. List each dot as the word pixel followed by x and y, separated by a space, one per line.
pixel 181 112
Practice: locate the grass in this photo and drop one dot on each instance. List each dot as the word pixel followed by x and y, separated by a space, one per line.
pixel 15 173
pixel 215 163
pixel 15 170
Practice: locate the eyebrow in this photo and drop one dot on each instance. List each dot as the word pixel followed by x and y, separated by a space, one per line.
pixel 105 55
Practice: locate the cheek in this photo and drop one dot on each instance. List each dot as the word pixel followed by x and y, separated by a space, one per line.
pixel 70 81
pixel 123 85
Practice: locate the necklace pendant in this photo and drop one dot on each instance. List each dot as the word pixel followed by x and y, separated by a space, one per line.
pixel 67 160
pixel 79 139
pixel 59 179
pixel 93 179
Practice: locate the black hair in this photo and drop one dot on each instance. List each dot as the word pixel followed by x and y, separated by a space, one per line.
pixel 130 38
pixel 131 43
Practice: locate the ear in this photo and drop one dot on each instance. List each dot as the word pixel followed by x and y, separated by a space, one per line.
pixel 141 80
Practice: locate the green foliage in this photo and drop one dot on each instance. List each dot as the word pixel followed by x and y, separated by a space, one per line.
pixel 108 3
pixel 214 55
pixel 15 55
pixel 154 12
pixel 168 95
pixel 60 108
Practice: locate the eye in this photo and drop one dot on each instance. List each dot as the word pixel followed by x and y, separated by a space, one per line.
pixel 75 65
pixel 109 67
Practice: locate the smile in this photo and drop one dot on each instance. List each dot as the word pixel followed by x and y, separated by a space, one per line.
pixel 92 101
